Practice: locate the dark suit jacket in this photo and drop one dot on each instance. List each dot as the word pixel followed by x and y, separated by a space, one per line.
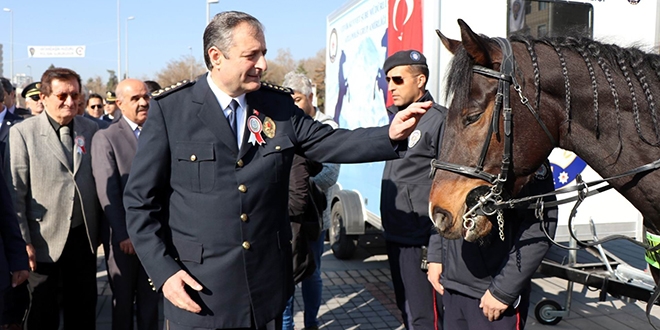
pixel 10 119
pixel 13 256
pixel 113 150
pixel 102 123
pixel 227 210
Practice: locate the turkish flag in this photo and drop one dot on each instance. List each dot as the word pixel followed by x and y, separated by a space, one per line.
pixel 404 29
pixel 405 26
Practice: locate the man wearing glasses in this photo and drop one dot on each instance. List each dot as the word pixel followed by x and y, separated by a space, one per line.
pixel 113 152
pixel 32 100
pixel 405 193
pixel 50 172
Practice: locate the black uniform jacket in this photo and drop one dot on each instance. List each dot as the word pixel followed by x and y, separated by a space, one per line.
pixel 195 202
pixel 405 188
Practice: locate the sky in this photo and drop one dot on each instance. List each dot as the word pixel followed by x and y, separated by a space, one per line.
pixel 161 31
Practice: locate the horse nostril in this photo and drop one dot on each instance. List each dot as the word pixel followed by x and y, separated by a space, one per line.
pixel 441 218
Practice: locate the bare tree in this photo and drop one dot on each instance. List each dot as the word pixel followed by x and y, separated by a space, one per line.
pixel 95 85
pixel 185 68
pixel 279 66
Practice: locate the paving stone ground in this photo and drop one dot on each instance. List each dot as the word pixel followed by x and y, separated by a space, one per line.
pixel 358 294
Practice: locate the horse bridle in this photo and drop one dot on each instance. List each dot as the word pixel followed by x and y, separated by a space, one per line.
pixel 490 201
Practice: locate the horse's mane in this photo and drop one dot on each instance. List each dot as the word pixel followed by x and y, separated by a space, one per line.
pixel 635 66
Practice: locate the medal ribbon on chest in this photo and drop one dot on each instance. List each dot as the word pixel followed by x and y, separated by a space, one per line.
pixel 255 126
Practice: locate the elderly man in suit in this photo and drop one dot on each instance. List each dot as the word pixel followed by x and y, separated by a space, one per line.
pixel 207 198
pixel 55 198
pixel 113 152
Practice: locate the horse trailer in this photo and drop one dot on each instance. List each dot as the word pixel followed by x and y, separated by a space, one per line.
pixel 363 33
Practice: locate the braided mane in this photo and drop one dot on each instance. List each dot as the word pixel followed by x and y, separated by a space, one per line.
pixel 637 69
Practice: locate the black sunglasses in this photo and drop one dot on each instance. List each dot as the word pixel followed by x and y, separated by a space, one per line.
pixel 63 96
pixel 397 80
pixel 34 98
pixel 96 106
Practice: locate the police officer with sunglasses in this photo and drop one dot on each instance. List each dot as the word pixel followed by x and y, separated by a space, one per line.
pixel 405 193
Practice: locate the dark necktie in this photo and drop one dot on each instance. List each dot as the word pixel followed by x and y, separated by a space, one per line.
pixel 67 142
pixel 233 106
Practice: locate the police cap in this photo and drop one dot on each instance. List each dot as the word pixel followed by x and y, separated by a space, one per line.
pixel 110 97
pixel 31 89
pixel 404 57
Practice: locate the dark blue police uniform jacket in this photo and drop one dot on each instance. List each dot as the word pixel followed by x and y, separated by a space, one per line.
pixel 195 202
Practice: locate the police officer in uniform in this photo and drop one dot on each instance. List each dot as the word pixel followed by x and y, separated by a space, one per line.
pixel 405 192
pixel 111 111
pixel 32 101
pixel 207 197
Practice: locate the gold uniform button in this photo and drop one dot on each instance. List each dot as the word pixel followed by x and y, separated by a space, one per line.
pixel 246 245
pixel 193 158
pixel 239 163
pixel 242 188
pixel 244 217
pixel 278 147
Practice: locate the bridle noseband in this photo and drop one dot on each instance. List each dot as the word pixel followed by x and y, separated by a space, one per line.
pixel 492 201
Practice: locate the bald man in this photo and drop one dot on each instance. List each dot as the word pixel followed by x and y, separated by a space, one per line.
pixel 113 150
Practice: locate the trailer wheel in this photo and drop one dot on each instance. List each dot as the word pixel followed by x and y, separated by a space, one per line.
pixel 542 312
pixel 343 246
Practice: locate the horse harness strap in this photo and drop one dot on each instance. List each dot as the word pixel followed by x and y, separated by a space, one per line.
pixel 506 79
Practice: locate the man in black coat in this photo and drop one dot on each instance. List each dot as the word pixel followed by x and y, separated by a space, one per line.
pixel 405 192
pixel 7 119
pixel 207 198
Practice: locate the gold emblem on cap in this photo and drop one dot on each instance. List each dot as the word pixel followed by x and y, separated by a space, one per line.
pixel 269 127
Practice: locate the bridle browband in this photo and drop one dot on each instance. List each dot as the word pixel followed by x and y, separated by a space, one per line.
pixel 492 201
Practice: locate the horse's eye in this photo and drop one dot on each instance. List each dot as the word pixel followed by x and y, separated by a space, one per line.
pixel 471 118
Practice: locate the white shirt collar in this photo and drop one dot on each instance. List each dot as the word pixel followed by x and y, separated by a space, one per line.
pixel 224 100
pixel 12 109
pixel 130 123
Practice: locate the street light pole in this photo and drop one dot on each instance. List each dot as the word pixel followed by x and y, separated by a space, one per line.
pixel 29 67
pixel 11 43
pixel 208 9
pixel 118 44
pixel 129 18
pixel 192 61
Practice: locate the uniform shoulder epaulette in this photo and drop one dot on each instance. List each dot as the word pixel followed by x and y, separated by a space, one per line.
pixel 169 89
pixel 276 88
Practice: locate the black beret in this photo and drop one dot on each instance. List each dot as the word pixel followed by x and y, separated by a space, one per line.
pixel 404 57
pixel 31 89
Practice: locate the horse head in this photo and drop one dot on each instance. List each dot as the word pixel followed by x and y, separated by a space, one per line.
pixel 473 176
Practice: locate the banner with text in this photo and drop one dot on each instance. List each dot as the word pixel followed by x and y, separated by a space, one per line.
pixel 56 51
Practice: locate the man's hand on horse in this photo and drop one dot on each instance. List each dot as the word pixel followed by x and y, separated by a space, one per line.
pixel 433 275
pixel 492 307
pixel 174 290
pixel 406 120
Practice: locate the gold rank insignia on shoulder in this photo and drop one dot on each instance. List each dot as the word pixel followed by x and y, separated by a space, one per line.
pixel 169 89
pixel 269 127
pixel 276 88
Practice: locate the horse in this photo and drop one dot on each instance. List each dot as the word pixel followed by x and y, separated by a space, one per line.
pixel 511 101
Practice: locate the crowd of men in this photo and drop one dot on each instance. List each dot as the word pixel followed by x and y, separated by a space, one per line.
pixel 193 205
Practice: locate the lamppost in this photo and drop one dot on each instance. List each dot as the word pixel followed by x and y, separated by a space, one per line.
pixel 11 42
pixel 129 18
pixel 192 61
pixel 208 9
pixel 29 67
pixel 118 44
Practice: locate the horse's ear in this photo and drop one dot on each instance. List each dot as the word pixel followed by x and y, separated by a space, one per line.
pixel 451 44
pixel 475 45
